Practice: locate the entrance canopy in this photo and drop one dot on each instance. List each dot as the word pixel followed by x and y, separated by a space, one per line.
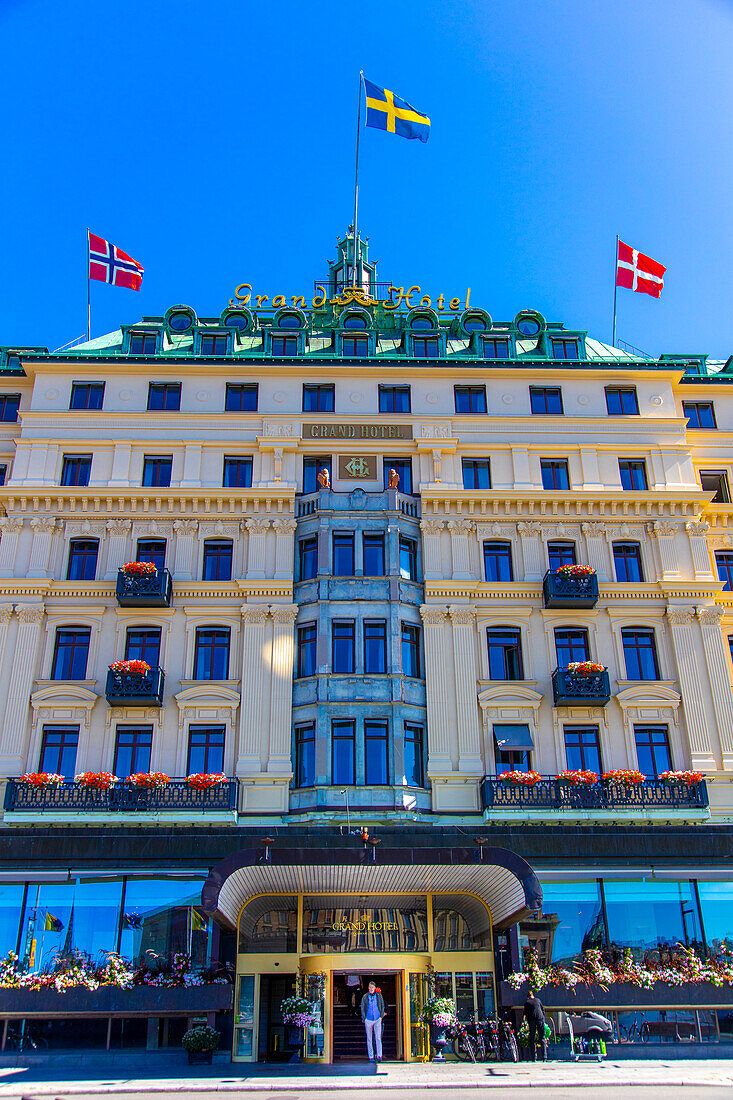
pixel 501 879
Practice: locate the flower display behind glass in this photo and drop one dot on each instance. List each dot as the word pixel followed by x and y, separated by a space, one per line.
pixel 139 568
pixel 78 971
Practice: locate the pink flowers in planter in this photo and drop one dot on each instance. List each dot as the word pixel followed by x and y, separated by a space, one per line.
pixel 42 779
pixel 97 781
pixel 595 967
pixel 150 780
pixel 520 779
pixel 578 778
pixel 130 668
pixel 139 568
pixel 628 776
pixel 584 668
pixel 201 781
pixel 681 779
pixel 575 571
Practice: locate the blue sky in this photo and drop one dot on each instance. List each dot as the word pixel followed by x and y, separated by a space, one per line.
pixel 215 143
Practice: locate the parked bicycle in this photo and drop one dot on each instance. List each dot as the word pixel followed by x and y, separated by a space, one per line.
pixel 24 1037
pixel 462 1042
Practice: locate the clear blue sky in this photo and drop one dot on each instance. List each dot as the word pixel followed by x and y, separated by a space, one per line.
pixel 214 142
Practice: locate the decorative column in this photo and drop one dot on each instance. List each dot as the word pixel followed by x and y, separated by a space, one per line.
pixel 460 529
pixel 284 548
pixel 11 527
pixel 522 472
pixel 681 619
pixel 470 760
pixel 121 455
pixel 25 657
pixel 665 534
pixel 257 529
pixel 281 689
pixel 697 531
pixel 118 535
pixel 720 689
pixel 43 529
pixel 191 465
pixel 432 565
pixel 439 757
pixel 597 555
pixel 186 531
pixel 534 563
pixel 254 618
pixel 590 469
pixel 6 614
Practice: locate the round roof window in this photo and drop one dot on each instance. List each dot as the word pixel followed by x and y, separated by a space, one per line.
pixel 236 320
pixel 180 322
pixel 475 323
pixel 528 326
pixel 422 323
pixel 289 320
pixel 355 320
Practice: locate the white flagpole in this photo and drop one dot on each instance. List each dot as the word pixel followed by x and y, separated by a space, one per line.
pixel 356 183
pixel 615 292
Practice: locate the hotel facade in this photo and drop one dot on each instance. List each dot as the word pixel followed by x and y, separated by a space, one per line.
pixel 357 503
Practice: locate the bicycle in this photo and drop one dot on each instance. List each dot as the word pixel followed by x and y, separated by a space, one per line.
pixel 462 1043
pixel 21 1038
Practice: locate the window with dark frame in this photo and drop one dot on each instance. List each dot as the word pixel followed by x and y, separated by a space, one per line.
pixel 311 469
pixel 425 347
pixel 143 343
pixel 545 400
pixel 470 399
pixel 494 348
pixel 652 750
pixel 355 345
pixel 308 558
pixel 217 564
pixel 403 466
pixel 142 643
pixel 561 552
pixel 70 653
pixel 58 750
pixel 343 553
pixel 82 565
pixel 164 396
pixel 408 558
pixel 151 550
pixel 476 473
pixel 513 760
pixel 505 654
pixel 237 472
pixel 716 482
pixel 133 747
pixel 724 562
pixel 376 754
pixel 343 752
pixel 571 644
pixel 211 653
pixel 640 654
pixel 305 755
pixel 410 644
pixel 306 662
pixel 343 646
pixel 582 749
pixel 700 414
pixel 241 397
pixel 87 395
pixel 554 473
pixel 622 401
pixel 76 469
pixel 319 398
pixel 9 405
pixel 284 345
pixel 205 750
pixel 157 470
pixel 394 399
pixel 498 560
pixel 564 349
pixel 414 759
pixel 633 474
pixel 214 344
pixel 627 561
pixel 375 646
pixel 3 473
pixel 373 554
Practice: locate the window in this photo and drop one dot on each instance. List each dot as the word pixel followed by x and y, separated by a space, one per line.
pixel 470 399
pixel 284 345
pixel 58 750
pixel 700 414
pixel 87 395
pixel 408 559
pixel 414 755
pixel 164 396
pixel 319 398
pixel 241 398
pixel 211 655
pixel 143 343
pixel 205 749
pixel 82 560
pixel 622 401
pixel 633 474
pixel 422 324
pixel 9 403
pixel 546 400
pixel 403 466
pixel 343 647
pixel 494 349
pixel 554 473
pixel 132 750
pixel 3 473
pixel 307 655
pixel 343 553
pixel 561 553
pixel 564 349
pixel 425 347
pixel 724 562
pixel 716 482
pixel 214 345
pixel 640 654
pixel 143 644
pixel 476 473
pixel 76 469
pixel 355 345
pixel 498 561
pixel 627 561
pixel 237 472
pixel 376 755
pixel 157 470
pixel 513 760
pixel 375 646
pixel 151 550
pixel 311 469
pixel 505 654
pixel 305 755
pixel 289 320
pixel 652 750
pixel 343 752
pixel 394 399
pixel 217 560
pixel 70 653
pixel 307 558
pixel 355 320
pixel 571 644
pixel 582 749
pixel 411 650
pixel 373 548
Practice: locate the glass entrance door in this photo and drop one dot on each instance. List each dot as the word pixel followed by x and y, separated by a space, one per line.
pixel 419 1037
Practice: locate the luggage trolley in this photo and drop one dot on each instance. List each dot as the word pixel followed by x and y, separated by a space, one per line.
pixel 587 1042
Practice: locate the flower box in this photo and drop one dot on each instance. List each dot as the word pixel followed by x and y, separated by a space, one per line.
pixel 140 584
pixel 581 683
pixel 201 781
pixel 578 778
pixel 97 781
pixel 621 995
pixel 148 780
pixel 628 776
pixel 570 586
pixel 152 1000
pixel 519 779
pixel 130 668
pixel 134 689
pixel 42 779
pixel 681 779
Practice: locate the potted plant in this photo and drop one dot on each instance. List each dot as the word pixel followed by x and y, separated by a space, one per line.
pixel 42 779
pixel 584 668
pixel 575 571
pixel 519 779
pixel 201 781
pixel 297 1013
pixel 681 779
pixel 139 568
pixel 200 1043
pixel 627 777
pixel 578 778
pixel 130 668
pixel 149 780
pixel 440 1013
pixel 96 781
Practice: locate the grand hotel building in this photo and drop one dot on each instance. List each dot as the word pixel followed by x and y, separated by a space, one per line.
pixel 361 661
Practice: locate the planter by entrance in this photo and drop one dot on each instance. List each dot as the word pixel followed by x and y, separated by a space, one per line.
pixel 439 1041
pixel 200 1057
pixel 295 1037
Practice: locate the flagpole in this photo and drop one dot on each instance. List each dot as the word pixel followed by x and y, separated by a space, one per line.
pixel 356 180
pixel 89 300
pixel 615 292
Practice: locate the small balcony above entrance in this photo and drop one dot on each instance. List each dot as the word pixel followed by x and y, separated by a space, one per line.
pixel 565 589
pixel 144 589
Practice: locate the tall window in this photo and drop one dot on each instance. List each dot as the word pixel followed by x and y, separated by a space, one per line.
pixel 343 752
pixel 425 347
pixel 554 473
pixel 9 403
pixel 408 558
pixel 157 470
pixel 582 749
pixel 376 756
pixel 58 750
pixel 318 398
pixel 143 343
pixel 414 755
pixel 498 561
pixel 307 558
pixel 3 473
pixel 627 561
pixel 343 553
pixel 82 560
pixel 652 749
pixel 564 349
pixel 700 414
pixel 622 401
pixel 476 473
pixel 212 344
pixel 545 400
pixel 571 644
pixel 724 562
pixel 133 746
pixel 164 396
pixel 211 654
pixel 355 345
pixel 492 348
pixel 716 482
pixel 640 654
pixel 633 474
pixel 205 749
pixel 470 399
pixel 505 654
pixel 403 466
pixel 305 755
pixel 343 646
pixel 285 345
pixel 394 399
pixel 217 560
pixel 151 550
pixel 241 397
pixel 76 469
pixel 373 550
pixel 311 469
pixel 87 395
pixel 70 653
pixel 560 552
pixel 513 760
pixel 375 646
pixel 237 472
pixel 307 650
pixel 143 644
pixel 410 635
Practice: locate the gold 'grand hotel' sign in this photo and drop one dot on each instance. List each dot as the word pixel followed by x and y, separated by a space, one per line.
pixel 352 295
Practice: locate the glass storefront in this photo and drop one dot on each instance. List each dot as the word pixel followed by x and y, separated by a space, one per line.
pixel 335 923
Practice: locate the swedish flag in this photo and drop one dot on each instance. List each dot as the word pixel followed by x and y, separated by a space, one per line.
pixel 386 111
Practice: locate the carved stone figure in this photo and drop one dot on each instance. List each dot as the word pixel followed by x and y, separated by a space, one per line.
pixel 394 479
pixel 324 479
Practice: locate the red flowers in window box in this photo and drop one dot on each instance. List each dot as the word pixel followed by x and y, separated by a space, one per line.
pixel 139 568
pixel 520 779
pixel 578 778
pixel 201 781
pixel 131 668
pixel 42 779
pixel 584 668
pixel 152 780
pixel 625 775
pixel 680 779
pixel 575 571
pixel 98 781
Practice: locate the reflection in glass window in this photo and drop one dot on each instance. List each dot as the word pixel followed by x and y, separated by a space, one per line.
pixel 269 924
pixel 11 900
pixel 571 921
pixel 81 915
pixel 460 923
pixel 161 916
pixel 647 915
pixel 716 902
pixel 334 923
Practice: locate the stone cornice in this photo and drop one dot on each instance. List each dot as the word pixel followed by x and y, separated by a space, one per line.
pixel 438 503
pixel 137 503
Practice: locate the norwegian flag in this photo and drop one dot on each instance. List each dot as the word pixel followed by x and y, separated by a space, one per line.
pixel 635 271
pixel 110 264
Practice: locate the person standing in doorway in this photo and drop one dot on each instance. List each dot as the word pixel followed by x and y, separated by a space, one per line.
pixel 372 1013
pixel 534 1014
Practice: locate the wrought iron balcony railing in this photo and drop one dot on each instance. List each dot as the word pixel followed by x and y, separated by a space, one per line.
pixel 576 690
pixel 144 589
pixel 561 590
pixel 176 795
pixel 132 689
pixel 551 793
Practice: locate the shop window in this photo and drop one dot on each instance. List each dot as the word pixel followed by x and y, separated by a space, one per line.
pixel 375 646
pixel 217 565
pixel 343 646
pixel 211 654
pixel 11 902
pixel 87 395
pixel 571 921
pixel 545 400
pixel 652 749
pixel 343 753
pixel 470 399
pixel 716 902
pixel 700 414
pixel 75 469
pixel 410 638
pixel 414 755
pixel 403 466
pixel 318 398
pixel 498 561
pixel 476 473
pixel 505 654
pixel 164 396
pixel 157 470
pixel 343 553
pixel 133 746
pixel 58 750
pixel 408 559
pixel 716 482
pixel 554 473
pixel 241 397
pixel 82 564
pixel 151 550
pixel 305 755
pixel 62 917
pixel 237 472
pixel 651 915
pixel 307 649
pixel 143 644
pixel 311 469
pixel 640 654
pixel 205 749
pixel 162 916
pixel 560 553
pixel 460 923
pixel 376 753
pixel 307 558
pixel 622 401
pixel 70 654
pixel 373 550
pixel 571 644
pixel 583 749
pixel 633 474
pixel 269 925
pixel 627 561
pixel 394 399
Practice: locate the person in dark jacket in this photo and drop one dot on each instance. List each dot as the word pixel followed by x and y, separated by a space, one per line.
pixel 372 1013
pixel 534 1014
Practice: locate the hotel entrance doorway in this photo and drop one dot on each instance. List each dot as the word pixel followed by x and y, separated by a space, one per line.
pixel 349 1037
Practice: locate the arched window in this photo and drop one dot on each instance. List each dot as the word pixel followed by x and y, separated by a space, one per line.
pixel 211 654
pixel 422 323
pixel 355 320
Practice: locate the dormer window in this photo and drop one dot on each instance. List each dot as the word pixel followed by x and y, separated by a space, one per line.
pixel 181 321
pixel 289 320
pixel 13 361
pixel 494 348
pixel 355 345
pixel 528 326
pixel 214 345
pixel 475 323
pixel 143 343
pixel 422 324
pixel 355 320
pixel 564 349
pixel 284 345
pixel 425 347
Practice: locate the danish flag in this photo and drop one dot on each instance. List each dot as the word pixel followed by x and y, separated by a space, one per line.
pixel 110 264
pixel 638 272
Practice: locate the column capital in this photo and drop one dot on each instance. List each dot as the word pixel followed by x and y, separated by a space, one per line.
pixel 44 523
pixel 663 527
pixel 461 615
pixel 433 614
pixel 29 613
pixel 11 524
pixel 257 526
pixel 710 614
pixel 431 526
pixel 185 526
pixel 284 614
pixel 697 527
pixel 255 614
pixel 681 615
pixel 593 530
pixel 119 526
pixel 460 526
pixel 6 613
pixel 529 529
pixel 284 526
